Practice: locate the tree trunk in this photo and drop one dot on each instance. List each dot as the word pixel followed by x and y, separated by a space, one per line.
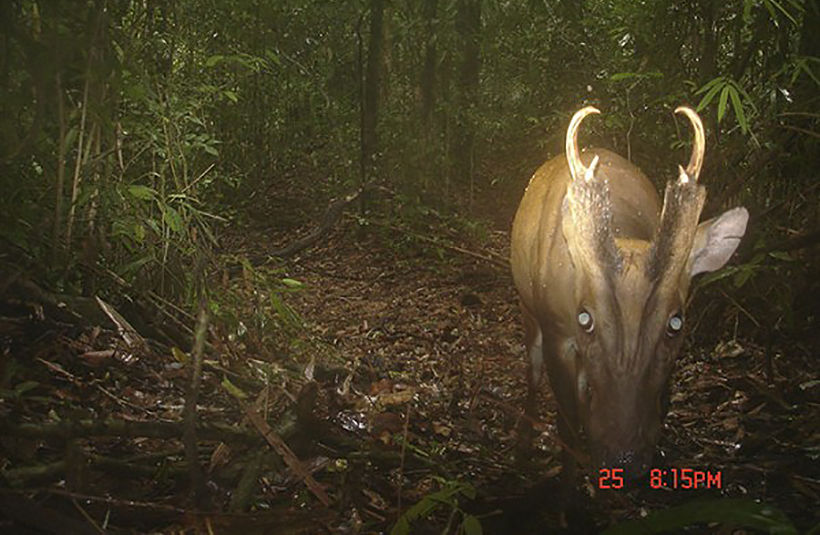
pixel 468 26
pixel 372 89
pixel 708 56
pixel 809 36
pixel 428 72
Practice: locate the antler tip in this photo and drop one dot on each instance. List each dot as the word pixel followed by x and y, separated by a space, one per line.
pixel 589 174
pixel 684 178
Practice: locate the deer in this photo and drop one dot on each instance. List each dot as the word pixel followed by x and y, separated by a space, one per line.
pixel 603 270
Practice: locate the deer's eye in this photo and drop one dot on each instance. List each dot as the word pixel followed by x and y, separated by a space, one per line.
pixel 675 324
pixel 585 321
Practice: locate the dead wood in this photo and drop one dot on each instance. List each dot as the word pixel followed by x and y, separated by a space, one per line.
pixel 491 257
pixel 41 474
pixel 332 215
pixel 123 428
pixel 284 451
pixel 131 319
pixel 190 416
pixel 33 514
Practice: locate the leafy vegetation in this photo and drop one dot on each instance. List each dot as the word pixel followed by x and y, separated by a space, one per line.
pixel 134 132
pixel 159 152
pixel 447 498
pixel 738 512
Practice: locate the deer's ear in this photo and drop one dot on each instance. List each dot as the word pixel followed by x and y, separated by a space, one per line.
pixel 716 240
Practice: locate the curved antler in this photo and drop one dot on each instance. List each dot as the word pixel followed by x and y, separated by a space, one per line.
pixel 682 203
pixel 698 147
pixel 588 227
pixel 576 167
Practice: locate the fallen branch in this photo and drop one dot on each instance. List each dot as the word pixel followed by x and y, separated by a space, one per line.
pixel 492 258
pixel 40 474
pixel 332 215
pixel 283 519
pixel 190 416
pixel 35 514
pixel 122 428
pixel 286 453
pixel 794 243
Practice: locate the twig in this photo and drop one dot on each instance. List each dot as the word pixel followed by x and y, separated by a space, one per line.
pixel 285 452
pixel 403 451
pixel 197 179
pixel 121 428
pixel 87 517
pixel 493 258
pixel 189 413
pixel 332 215
pixel 799 114
pixel 131 504
pixel 75 184
pixel 801 130
pixel 739 307
pixel 129 334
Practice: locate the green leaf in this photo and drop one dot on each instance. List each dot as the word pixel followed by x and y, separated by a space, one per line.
pixel 797 4
pixel 134 266
pixel 618 76
pixel 210 150
pixel 143 193
pixel 747 10
pixel 708 86
pixel 232 389
pixel 172 218
pixel 736 512
pixel 780 8
pixel 179 355
pixel 138 232
pixel 24 387
pixel 446 496
pixel 714 86
pixel 738 107
pixel 772 14
pixel 292 283
pixel 803 65
pixel 213 60
pixel 183 197
pixel 283 311
pixel 746 98
pixel 134 90
pixel 273 56
pixel 722 102
pixel 468 490
pixel 70 137
pixel 782 255
pixel 471 525
pixel 402 527
pixel 715 276
pixel 424 507
pixel 153 225
pixel 742 276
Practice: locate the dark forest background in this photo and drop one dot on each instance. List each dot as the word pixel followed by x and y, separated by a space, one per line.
pixel 178 158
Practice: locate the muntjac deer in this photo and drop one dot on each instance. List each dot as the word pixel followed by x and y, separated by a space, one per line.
pixel 603 270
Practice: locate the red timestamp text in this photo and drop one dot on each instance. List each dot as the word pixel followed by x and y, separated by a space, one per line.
pixel 685 478
pixel 665 478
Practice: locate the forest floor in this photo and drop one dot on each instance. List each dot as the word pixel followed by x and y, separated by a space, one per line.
pixel 401 355
pixel 431 338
